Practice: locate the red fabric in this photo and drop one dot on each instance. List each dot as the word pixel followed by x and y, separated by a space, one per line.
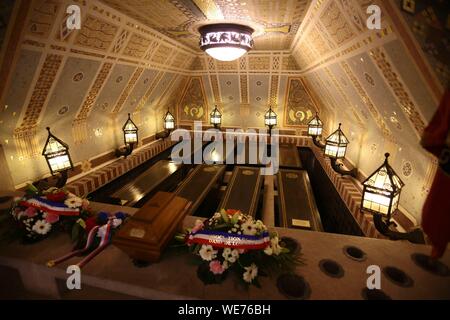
pixel 436 210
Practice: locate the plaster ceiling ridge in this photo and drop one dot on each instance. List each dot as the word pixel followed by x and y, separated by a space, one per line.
pixel 361 44
pixel 312 13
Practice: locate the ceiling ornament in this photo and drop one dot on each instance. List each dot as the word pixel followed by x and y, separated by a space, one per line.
pixel 226 41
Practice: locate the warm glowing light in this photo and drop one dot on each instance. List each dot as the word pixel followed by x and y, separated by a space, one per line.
pixel 270 118
pixel 336 144
pixel 215 117
pixel 226 53
pixel 381 192
pixel 130 131
pixel 226 41
pixel 315 126
pixel 56 152
pixel 169 121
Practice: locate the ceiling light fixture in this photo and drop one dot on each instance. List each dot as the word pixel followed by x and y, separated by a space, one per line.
pixel 226 41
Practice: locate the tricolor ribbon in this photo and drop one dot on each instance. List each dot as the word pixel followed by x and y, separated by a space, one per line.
pixel 105 240
pixel 222 239
pixel 53 207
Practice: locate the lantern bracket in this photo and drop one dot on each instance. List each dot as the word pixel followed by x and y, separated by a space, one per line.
pixel 317 142
pixel 338 167
pixel 125 152
pixel 383 227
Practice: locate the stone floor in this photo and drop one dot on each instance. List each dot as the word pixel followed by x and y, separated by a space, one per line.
pixel 329 272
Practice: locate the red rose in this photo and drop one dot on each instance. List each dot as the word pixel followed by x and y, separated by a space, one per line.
pixel 57 197
pixel 231 212
pixel 90 224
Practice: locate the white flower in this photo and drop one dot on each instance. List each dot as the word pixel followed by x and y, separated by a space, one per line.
pixel 207 253
pixel 42 227
pixel 249 228
pixel 217 216
pixel 274 247
pixel 230 255
pixel 250 273
pixel 116 222
pixel 73 202
pixel 268 250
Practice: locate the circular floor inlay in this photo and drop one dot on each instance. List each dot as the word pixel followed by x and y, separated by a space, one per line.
pixel 434 266
pixel 355 253
pixel 374 294
pixel 397 276
pixel 291 244
pixel 293 286
pixel 331 268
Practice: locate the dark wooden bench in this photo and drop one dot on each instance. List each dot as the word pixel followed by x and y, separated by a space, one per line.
pixel 243 190
pixel 163 172
pixel 296 203
pixel 199 183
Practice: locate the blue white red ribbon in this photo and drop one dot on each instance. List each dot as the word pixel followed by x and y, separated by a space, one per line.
pixel 104 242
pixel 46 205
pixel 222 239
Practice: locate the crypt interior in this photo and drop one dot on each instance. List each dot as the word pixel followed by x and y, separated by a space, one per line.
pixel 96 94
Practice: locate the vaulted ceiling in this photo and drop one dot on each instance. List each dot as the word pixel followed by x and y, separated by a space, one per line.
pixel 141 57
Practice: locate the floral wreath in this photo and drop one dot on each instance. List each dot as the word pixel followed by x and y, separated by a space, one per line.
pixel 232 241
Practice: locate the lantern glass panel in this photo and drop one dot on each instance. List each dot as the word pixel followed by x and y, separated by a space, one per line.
pixel 335 151
pixel 130 137
pixel 216 116
pixel 315 126
pixel 376 200
pixel 270 118
pixel 169 121
pixel 59 162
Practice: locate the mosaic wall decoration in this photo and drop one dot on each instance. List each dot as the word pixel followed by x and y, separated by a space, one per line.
pixel 137 46
pixel 429 21
pixel 299 108
pixel 335 23
pixel 42 17
pixel 193 105
pixel 96 34
pixel 125 93
pixel 395 83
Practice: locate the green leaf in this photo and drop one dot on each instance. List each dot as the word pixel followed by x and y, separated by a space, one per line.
pixel 225 217
pixel 235 218
pixel 31 189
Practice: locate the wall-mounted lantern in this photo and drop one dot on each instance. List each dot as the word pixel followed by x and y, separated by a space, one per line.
pixel 130 137
pixel 215 118
pixel 381 196
pixel 270 119
pixel 56 153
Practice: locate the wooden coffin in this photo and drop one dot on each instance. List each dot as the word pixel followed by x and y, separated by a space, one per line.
pixel 296 203
pixel 199 183
pixel 148 231
pixel 289 157
pixel 243 190
pixel 161 172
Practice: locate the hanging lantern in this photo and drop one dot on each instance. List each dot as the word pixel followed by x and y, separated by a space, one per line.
pixel 215 117
pixel 226 41
pixel 130 132
pixel 381 190
pixel 169 121
pixel 336 144
pixel 270 118
pixel 315 126
pixel 56 152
